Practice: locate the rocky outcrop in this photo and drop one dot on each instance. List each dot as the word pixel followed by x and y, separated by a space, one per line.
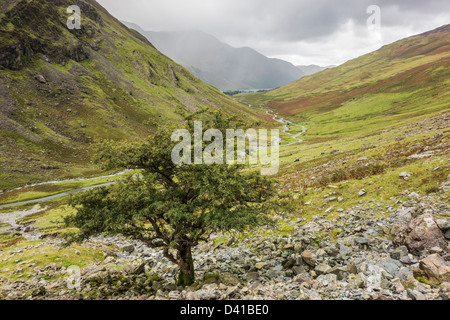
pixel 420 234
pixel 361 263
pixel 29 38
pixel 434 269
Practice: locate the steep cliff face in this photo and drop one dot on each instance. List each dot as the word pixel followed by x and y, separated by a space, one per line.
pixel 62 89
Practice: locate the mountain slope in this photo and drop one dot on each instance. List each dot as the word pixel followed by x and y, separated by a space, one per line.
pixel 312 68
pixel 377 127
pixel 62 89
pixel 407 79
pixel 221 65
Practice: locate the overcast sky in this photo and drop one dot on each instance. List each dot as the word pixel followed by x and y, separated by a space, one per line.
pixel 323 32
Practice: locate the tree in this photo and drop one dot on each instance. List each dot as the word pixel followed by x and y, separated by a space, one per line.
pixel 176 206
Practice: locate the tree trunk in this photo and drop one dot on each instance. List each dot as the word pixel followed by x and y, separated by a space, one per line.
pixel 186 276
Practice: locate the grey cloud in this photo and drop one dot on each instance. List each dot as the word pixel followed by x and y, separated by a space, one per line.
pixel 283 23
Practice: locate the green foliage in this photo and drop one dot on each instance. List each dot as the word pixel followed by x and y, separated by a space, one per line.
pixel 180 205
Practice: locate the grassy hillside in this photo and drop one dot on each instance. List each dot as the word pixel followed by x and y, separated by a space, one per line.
pixel 62 89
pixel 394 86
pixel 368 120
pixel 411 70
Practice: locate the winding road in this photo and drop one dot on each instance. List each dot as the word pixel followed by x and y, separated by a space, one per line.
pixel 286 128
pixel 63 194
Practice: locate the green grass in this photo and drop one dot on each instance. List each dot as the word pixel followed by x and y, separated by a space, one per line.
pixel 380 188
pixel 41 191
pixel 8 239
pixel 29 258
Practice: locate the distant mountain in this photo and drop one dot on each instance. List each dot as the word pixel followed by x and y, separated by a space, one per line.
pixel 221 65
pixel 311 69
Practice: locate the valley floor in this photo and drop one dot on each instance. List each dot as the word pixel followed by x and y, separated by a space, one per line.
pixel 361 224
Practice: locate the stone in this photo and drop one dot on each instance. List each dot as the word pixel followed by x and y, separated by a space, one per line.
pixel 309 295
pixel 134 268
pixel 332 251
pixel 445 286
pixel 252 276
pixel 298 247
pixel 404 274
pixel 321 252
pixel 351 268
pixel 322 268
pixel 273 274
pixel 158 243
pixel 299 270
pixel 414 195
pixel 416 295
pixel 330 209
pixel 390 265
pixel 362 192
pixel 208 292
pixel 345 251
pixel 399 252
pixel 309 257
pixel 326 280
pixel 211 278
pixel 403 215
pixel 386 230
pixel 108 259
pixel 405 175
pixel 171 287
pixel 128 248
pixel 229 279
pixel 340 272
pixel 260 265
pixel 420 234
pixel 443 224
pixel 359 281
pixel 361 240
pixel 40 78
pixel 434 269
pixel 405 260
pixel 288 264
pixel 374 276
pixel 395 229
pixel 279 268
pixel 436 250
pixel 301 278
